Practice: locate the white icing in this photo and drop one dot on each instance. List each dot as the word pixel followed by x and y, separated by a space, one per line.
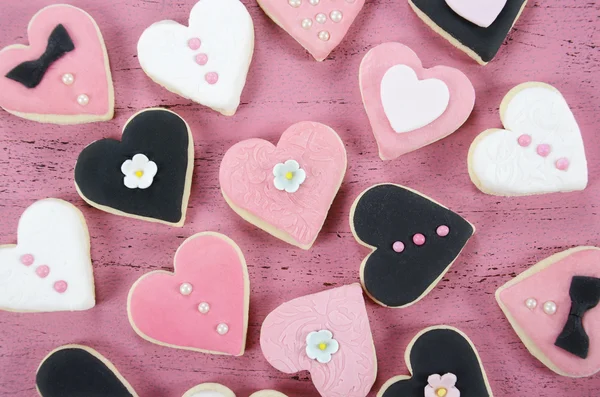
pixel 208 393
pixel 502 166
pixel 410 103
pixel 54 232
pixel 226 32
pixel 139 172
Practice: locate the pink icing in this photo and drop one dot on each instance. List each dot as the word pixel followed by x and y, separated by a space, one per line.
pixel 419 239
pixel 562 164
pixel 391 144
pixel 443 231
pixel 246 178
pixel 86 63
pixel 524 140
pixel 217 272
pixel 481 12
pixel 290 19
pixel 27 259
pixel 398 246
pixel 202 59
pixel 194 43
pixel 543 149
pixel 43 271
pixel 352 370
pixel 60 286
pixel 211 77
pixel 552 284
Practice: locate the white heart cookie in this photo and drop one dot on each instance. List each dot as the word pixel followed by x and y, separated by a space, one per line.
pixel 206 62
pixel 50 268
pixel 410 103
pixel 540 151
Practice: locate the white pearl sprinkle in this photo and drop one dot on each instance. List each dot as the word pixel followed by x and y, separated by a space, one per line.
pixel 336 16
pixel 324 35
pixel 83 100
pixel 68 79
pixel 550 307
pixel 295 3
pixel 203 307
pixel 531 303
pixel 321 18
pixel 307 23
pixel 314 2
pixel 222 329
pixel 186 288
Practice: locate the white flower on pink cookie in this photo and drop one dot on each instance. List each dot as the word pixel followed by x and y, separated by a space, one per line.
pixel 442 386
pixel 320 346
pixel 288 176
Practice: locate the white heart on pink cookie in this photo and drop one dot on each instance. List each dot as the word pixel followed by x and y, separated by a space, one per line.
pixel 481 12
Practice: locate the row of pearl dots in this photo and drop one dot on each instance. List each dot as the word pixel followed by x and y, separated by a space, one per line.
pixel 186 289
pixel 307 23
pixel 69 79
pixel 549 307
pixel 43 271
pixel 202 59
pixel 419 239
pixel 544 150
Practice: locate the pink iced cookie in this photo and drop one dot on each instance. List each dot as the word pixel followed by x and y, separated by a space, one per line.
pixel 481 12
pixel 409 106
pixel 318 25
pixel 327 334
pixel 203 306
pixel 552 307
pixel 287 189
pixel 69 82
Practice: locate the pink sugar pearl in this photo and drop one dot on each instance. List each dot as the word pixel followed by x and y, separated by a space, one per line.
pixel 60 286
pixel 211 78
pixel 524 140
pixel 543 150
pixel 194 43
pixel 419 239
pixel 42 271
pixel 398 246
pixel 201 59
pixel 562 164
pixel 27 259
pixel 443 231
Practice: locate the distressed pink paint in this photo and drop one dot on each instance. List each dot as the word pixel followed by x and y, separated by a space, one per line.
pixel 554 42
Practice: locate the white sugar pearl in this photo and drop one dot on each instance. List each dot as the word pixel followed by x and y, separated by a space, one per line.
pixel 314 2
pixel 203 308
pixel 550 307
pixel 324 35
pixel 336 16
pixel 531 303
pixel 83 100
pixel 68 79
pixel 295 3
pixel 222 329
pixel 321 18
pixel 186 288
pixel 307 23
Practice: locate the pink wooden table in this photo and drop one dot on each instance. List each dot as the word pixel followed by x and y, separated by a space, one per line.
pixel 555 41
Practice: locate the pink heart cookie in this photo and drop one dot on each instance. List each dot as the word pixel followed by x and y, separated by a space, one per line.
pixel 76 88
pixel 203 306
pixel 391 79
pixel 318 25
pixel 481 12
pixel 327 334
pixel 253 181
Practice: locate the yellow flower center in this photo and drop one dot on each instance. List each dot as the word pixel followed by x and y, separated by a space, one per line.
pixel 289 176
pixel 139 174
pixel 441 392
pixel 322 346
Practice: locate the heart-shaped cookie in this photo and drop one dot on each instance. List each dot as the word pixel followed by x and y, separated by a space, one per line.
pixel 50 268
pixel 409 106
pixel 147 175
pixel 327 334
pixel 539 151
pixel 76 371
pixel 206 62
pixel 443 362
pixel 287 189
pixel 318 25
pixel 457 21
pixel 202 306
pixel 552 307
pixel 63 76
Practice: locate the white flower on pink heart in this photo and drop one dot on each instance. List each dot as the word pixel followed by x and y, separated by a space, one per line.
pixel 288 176
pixel 442 386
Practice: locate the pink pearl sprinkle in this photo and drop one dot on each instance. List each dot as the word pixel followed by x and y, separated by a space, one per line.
pixel 60 286
pixel 443 231
pixel 42 271
pixel 194 43
pixel 525 140
pixel 562 164
pixel 27 259
pixel 211 78
pixel 419 239
pixel 398 246
pixel 543 149
pixel 201 59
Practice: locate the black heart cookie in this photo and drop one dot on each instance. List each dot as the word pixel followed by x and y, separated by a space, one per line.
pixel 444 363
pixel 476 27
pixel 145 176
pixel 78 371
pixel 414 241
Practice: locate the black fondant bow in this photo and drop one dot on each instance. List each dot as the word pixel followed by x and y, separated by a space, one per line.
pixel 585 295
pixel 31 73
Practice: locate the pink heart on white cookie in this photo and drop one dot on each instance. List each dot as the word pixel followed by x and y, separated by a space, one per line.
pixel 318 25
pixel 481 12
pixel 287 189
pixel 409 106
pixel 203 306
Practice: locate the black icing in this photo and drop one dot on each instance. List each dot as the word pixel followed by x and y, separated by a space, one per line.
pixel 442 351
pixel 389 213
pixel 74 372
pixel 160 135
pixel 31 73
pixel 585 295
pixel 485 42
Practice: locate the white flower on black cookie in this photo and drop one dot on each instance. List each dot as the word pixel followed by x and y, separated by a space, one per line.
pixel 288 176
pixel 441 386
pixel 139 172
pixel 320 345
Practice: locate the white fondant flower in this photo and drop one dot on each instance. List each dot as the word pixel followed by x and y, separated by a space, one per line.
pixel 288 176
pixel 139 172
pixel 441 386
pixel 320 345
